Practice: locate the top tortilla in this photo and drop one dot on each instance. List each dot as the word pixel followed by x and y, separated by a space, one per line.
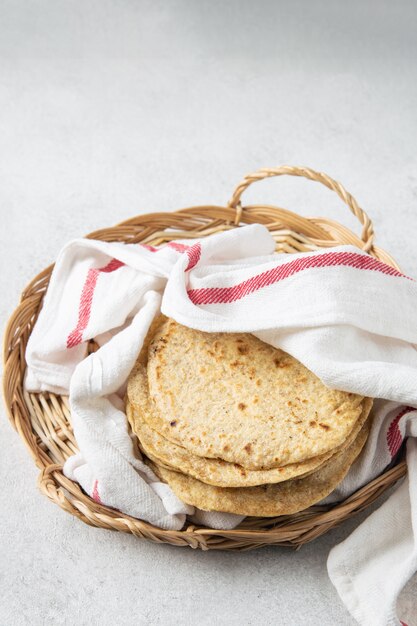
pixel 233 397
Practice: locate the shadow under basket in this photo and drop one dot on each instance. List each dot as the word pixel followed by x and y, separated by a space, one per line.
pixel 43 419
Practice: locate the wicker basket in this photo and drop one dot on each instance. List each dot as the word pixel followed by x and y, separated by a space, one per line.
pixel 43 420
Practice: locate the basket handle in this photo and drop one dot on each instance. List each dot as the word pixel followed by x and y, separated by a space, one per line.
pixel 367 235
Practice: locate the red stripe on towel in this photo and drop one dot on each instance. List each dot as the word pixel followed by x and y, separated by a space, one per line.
pixel 179 247
pixel 194 254
pixel 95 495
pixel 394 436
pixel 84 310
pixel 224 295
pixel 150 248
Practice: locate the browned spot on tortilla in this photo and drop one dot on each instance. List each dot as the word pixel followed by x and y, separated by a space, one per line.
pixel 289 403
pixel 226 448
pixel 243 348
pixel 279 363
pixel 235 363
pixel 202 370
pixel 324 426
pixel 255 400
pixel 173 423
pixel 248 448
pixel 241 406
pixel 313 423
pixel 258 382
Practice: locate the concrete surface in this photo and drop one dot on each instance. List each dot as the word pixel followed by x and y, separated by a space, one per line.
pixel 113 108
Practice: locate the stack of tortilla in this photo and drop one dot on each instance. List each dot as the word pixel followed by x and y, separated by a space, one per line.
pixel 233 424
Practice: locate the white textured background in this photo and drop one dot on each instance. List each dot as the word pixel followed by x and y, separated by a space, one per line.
pixel 113 108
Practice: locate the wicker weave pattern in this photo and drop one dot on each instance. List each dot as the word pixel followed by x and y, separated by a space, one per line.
pixel 42 420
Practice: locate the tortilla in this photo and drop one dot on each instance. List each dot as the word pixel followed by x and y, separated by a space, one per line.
pixel 269 500
pixel 230 396
pixel 214 471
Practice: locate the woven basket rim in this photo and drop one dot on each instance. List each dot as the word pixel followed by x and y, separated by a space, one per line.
pixel 42 419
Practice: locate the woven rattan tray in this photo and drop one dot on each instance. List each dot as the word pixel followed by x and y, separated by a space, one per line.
pixel 43 420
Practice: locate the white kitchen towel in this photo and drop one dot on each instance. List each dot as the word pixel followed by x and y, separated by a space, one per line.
pixel 347 316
